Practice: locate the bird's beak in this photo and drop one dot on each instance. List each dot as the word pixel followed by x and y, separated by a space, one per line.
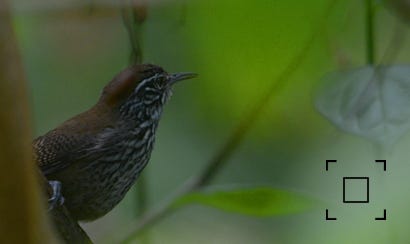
pixel 174 78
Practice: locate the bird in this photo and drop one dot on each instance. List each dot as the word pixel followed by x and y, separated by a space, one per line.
pixel 93 159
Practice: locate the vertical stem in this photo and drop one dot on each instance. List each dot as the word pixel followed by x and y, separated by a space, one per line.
pixel 369 25
pixel 133 14
pixel 22 211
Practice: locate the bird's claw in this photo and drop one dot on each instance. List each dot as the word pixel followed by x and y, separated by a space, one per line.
pixel 56 198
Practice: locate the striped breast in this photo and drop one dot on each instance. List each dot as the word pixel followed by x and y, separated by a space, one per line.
pixel 97 185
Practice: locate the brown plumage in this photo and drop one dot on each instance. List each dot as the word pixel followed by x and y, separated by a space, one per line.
pixel 98 154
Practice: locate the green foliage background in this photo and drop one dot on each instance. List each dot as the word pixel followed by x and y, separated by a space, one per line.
pixel 239 48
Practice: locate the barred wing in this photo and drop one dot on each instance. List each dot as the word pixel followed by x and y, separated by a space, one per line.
pixel 55 151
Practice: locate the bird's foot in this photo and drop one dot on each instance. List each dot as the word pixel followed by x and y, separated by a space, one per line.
pixel 56 198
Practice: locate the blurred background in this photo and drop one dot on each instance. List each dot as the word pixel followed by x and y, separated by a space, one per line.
pixel 242 50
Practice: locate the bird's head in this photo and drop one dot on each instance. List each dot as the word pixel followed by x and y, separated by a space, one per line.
pixel 141 87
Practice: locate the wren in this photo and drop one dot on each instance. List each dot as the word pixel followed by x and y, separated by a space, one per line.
pixel 97 155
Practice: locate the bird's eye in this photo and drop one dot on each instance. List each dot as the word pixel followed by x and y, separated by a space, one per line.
pixel 160 81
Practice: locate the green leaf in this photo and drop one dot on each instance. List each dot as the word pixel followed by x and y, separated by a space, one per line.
pixel 259 201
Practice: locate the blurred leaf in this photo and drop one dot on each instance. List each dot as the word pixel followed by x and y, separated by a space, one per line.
pixel 372 102
pixel 259 201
